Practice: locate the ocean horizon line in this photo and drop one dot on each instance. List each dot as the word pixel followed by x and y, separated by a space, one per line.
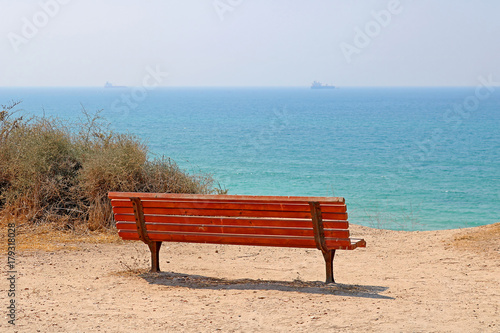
pixel 250 87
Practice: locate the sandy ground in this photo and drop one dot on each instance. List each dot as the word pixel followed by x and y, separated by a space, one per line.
pixel 402 282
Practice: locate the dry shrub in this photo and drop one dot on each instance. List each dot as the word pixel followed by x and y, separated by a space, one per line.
pixel 55 172
pixel 51 237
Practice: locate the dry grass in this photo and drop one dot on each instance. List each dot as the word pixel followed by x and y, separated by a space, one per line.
pixel 50 237
pixel 484 239
pixel 56 175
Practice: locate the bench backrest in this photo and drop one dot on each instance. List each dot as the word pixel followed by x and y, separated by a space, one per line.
pixel 232 219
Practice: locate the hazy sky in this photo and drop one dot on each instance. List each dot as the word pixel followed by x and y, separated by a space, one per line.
pixel 249 42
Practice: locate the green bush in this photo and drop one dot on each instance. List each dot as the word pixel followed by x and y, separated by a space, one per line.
pixel 52 171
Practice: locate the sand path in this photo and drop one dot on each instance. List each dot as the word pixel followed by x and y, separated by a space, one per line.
pixel 402 282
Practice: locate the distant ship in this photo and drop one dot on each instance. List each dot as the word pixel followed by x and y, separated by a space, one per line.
pixel 110 85
pixel 319 85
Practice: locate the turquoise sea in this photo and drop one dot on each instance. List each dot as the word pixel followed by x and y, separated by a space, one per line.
pixel 404 158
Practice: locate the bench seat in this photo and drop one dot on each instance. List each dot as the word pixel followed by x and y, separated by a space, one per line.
pixel 280 221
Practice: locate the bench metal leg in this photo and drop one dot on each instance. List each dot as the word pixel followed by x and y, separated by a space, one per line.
pixel 329 255
pixel 154 247
pixel 319 238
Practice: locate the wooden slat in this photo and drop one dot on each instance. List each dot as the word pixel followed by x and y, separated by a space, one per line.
pixel 254 240
pixel 228 213
pixel 126 195
pixel 283 207
pixel 235 221
pixel 335 224
pixel 306 232
pixel 226 239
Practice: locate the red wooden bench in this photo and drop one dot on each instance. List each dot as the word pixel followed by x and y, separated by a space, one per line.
pixel 302 222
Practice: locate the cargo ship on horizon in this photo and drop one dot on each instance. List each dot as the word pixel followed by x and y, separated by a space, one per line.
pixel 319 85
pixel 110 85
